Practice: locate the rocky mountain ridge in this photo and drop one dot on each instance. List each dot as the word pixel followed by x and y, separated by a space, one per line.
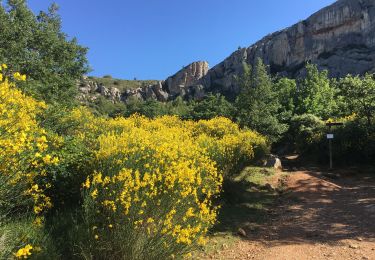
pixel 340 38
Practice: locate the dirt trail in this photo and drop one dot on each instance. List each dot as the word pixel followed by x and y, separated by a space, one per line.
pixel 317 218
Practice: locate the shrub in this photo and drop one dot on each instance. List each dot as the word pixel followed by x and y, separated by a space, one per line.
pixel 153 189
pixel 306 132
pixel 25 153
pixel 145 171
pixel 27 157
pixel 354 142
pixel 228 145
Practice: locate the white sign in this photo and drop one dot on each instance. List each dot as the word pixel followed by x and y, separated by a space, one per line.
pixel 330 136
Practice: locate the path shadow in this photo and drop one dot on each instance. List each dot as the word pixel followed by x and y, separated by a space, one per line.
pixel 319 207
pixel 245 205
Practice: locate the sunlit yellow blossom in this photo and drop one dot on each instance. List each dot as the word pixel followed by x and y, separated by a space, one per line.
pixel 19 76
pixel 24 252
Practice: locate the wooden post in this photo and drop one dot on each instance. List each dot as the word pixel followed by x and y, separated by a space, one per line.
pixel 330 124
pixel 330 154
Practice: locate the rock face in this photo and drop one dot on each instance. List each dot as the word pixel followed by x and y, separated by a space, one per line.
pixel 189 76
pixel 185 83
pixel 90 90
pixel 340 38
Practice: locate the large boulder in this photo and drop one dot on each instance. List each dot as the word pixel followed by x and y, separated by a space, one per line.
pixel 273 162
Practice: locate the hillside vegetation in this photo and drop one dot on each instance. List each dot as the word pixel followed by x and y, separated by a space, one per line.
pixel 122 84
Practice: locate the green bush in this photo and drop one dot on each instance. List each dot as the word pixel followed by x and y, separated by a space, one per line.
pixel 305 134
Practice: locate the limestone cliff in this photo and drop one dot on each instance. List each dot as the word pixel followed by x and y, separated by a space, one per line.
pixel 340 38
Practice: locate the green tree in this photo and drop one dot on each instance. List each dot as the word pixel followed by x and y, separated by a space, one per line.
pixel 103 106
pixel 359 95
pixel 36 46
pixel 179 107
pixel 257 105
pixel 152 108
pixel 316 94
pixel 212 106
pixel 286 91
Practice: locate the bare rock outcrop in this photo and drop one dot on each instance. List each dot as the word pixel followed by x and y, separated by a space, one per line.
pixel 185 83
pixel 187 77
pixel 340 38
pixel 89 90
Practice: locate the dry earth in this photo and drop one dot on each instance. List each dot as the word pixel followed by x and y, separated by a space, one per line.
pixel 320 216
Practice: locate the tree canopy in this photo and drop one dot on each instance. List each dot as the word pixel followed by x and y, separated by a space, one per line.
pixel 258 105
pixel 36 46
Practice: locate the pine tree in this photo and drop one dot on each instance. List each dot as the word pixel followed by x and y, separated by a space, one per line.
pixel 258 103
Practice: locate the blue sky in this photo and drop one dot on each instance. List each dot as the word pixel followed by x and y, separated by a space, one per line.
pixel 153 39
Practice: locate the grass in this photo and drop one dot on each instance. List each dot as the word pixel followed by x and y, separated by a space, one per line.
pixel 256 175
pixel 122 84
pixel 246 204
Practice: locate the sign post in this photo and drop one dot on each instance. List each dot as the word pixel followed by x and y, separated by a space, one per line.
pixel 330 137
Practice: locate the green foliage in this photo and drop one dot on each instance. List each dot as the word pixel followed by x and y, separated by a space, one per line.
pixel 179 107
pixel 257 105
pixel 316 94
pixel 103 106
pixel 354 142
pixel 359 95
pixel 305 133
pixel 286 92
pixel 35 46
pixel 212 106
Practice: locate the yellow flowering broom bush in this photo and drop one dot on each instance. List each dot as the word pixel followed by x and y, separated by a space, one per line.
pixel 228 145
pixel 154 181
pixel 25 160
pixel 24 153
pixel 153 189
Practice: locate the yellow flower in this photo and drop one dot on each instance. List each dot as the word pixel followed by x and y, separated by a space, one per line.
pixel 24 252
pixel 19 76
pixel 38 222
pixel 96 237
pixel 4 66
pixel 94 194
